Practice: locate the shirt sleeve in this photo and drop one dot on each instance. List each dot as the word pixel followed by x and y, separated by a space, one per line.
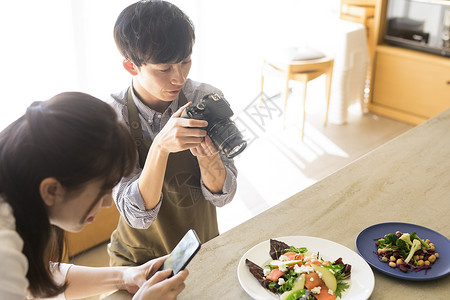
pixel 229 187
pixel 130 202
pixel 59 275
pixel 14 266
pixel 126 194
pixel 13 282
pixel 196 91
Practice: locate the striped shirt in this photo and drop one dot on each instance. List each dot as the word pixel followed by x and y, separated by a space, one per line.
pixel 126 194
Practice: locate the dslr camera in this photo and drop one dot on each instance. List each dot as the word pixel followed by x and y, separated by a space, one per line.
pixel 222 131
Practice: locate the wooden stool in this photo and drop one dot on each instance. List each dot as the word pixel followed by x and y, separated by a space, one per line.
pixel 301 64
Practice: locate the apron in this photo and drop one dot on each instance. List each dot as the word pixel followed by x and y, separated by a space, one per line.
pixel 183 206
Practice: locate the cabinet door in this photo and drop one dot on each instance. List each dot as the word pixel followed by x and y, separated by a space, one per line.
pixel 412 82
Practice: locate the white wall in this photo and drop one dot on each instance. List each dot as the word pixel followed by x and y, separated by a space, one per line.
pixel 51 46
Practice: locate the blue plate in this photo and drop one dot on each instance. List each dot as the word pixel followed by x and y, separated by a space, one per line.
pixel 365 245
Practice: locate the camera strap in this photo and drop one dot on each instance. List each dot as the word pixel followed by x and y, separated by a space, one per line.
pixel 136 129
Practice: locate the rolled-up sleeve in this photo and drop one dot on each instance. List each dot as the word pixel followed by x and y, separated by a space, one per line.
pixel 229 187
pixel 131 205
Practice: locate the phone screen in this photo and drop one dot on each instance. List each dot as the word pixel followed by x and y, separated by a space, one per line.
pixel 183 252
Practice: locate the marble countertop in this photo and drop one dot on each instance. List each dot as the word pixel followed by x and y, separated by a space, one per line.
pixel 405 180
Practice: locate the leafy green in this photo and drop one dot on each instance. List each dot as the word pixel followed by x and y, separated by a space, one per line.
pixel 341 287
pixel 340 270
pixel 416 246
pixel 391 238
pixel 411 253
pixel 272 285
pixel 277 248
pixel 290 278
pixel 407 238
pixel 297 294
pixel 301 250
pixel 337 270
pixel 388 240
pixel 415 237
pixel 402 245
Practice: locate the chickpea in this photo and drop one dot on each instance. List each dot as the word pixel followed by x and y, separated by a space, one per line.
pixel 392 264
pixel 427 241
pixel 399 261
pixel 392 258
pixel 416 257
pixel 420 263
pixel 436 254
pixel 421 257
pixel 427 263
pixel 384 259
pixel 432 247
pixel 432 258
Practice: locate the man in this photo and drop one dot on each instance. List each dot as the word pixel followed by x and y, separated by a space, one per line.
pixel 181 176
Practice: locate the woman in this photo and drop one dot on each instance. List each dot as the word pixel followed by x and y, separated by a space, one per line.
pixel 58 165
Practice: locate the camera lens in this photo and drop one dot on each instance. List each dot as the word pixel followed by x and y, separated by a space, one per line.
pixel 236 150
pixel 227 138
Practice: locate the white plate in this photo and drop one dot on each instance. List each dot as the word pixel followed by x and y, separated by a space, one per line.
pixel 361 282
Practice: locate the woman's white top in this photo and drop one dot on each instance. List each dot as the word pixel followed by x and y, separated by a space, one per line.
pixel 14 264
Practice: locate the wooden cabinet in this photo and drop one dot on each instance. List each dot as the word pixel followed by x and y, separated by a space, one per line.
pixel 407 85
pixel 93 234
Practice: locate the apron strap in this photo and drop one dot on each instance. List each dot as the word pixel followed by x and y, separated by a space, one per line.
pixel 182 99
pixel 136 129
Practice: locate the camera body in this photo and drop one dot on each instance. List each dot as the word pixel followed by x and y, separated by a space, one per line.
pixel 223 132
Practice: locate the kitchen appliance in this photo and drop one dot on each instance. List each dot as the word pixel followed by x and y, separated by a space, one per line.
pixel 422 25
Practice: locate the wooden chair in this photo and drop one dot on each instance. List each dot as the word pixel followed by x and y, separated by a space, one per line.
pixel 304 68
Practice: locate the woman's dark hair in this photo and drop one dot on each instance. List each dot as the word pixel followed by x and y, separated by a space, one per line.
pixel 156 32
pixel 74 138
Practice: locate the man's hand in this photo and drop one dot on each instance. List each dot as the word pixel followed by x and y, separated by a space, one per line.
pixel 178 134
pixel 206 148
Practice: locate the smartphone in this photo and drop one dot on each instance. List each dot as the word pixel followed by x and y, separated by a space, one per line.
pixel 182 254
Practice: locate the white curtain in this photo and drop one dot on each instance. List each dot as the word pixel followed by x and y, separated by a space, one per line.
pixel 51 46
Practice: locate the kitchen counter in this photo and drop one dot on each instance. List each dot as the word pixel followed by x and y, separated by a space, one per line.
pixel 405 180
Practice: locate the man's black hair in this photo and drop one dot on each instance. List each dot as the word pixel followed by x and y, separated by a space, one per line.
pixel 154 31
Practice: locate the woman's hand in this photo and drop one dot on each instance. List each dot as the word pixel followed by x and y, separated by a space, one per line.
pixel 135 277
pixel 161 287
pixel 146 282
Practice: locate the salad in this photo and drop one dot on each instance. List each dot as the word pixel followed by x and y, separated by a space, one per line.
pixel 296 273
pixel 406 251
